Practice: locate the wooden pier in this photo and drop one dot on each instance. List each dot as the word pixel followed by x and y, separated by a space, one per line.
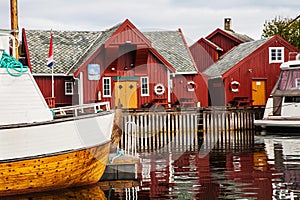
pixel 148 130
pixel 160 128
pixel 121 167
pixel 156 129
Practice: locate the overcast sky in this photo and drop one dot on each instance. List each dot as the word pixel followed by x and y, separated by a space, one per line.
pixel 196 18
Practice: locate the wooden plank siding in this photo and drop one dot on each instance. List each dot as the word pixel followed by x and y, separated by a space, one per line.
pixel 204 54
pixel 180 88
pixel 154 70
pixel 224 42
pixel 44 83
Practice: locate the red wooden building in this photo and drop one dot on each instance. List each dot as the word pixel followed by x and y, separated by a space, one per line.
pixel 207 51
pixel 247 73
pixel 122 65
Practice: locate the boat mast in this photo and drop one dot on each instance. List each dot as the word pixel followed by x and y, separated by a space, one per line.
pixel 14 25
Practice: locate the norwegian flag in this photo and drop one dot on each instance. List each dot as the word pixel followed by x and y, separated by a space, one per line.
pixel 50 61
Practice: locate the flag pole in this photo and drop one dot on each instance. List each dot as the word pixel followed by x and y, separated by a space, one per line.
pixel 52 69
pixel 50 63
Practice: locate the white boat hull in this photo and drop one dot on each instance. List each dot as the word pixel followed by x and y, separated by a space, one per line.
pixel 38 139
pixel 264 123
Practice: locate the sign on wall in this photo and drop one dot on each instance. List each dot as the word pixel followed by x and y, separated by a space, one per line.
pixel 94 72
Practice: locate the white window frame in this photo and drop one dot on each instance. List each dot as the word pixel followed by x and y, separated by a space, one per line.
pixel 147 80
pixel 109 85
pixel 276 59
pixel 69 83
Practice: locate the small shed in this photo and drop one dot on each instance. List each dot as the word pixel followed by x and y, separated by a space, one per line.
pixel 246 74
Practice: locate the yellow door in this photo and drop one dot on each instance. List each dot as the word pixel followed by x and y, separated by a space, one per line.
pixel 126 94
pixel 259 92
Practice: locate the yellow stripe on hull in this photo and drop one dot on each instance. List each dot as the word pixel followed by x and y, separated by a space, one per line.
pixel 54 172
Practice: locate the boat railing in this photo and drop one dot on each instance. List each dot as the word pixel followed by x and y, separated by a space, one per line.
pixel 81 109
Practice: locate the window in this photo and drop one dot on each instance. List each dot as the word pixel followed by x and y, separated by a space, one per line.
pixel 297 83
pixel 69 88
pixel 107 87
pixel 276 54
pixel 292 99
pixel 144 86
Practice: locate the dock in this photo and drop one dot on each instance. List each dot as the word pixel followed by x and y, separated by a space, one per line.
pixel 121 167
pixel 147 131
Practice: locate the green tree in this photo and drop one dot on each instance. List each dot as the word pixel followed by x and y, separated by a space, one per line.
pixel 287 28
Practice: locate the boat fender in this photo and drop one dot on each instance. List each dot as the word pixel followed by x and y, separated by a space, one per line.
pixel 159 89
pixel 234 86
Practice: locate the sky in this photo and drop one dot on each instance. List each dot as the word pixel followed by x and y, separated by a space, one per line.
pixel 196 18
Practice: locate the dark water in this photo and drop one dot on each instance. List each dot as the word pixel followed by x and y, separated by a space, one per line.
pixel 258 167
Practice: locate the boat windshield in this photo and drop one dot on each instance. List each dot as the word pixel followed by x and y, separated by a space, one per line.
pixel 289 81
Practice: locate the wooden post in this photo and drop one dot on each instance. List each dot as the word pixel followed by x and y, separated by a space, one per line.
pixel 14 24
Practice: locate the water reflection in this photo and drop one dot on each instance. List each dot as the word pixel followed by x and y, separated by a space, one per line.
pixel 240 165
pixel 260 167
pixel 284 157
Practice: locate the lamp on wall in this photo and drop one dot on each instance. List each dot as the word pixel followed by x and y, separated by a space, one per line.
pixel 125 68
pixel 113 69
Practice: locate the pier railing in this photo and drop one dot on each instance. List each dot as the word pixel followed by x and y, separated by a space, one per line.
pixel 228 118
pixel 157 129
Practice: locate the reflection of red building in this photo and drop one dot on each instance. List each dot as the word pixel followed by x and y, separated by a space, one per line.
pixel 251 174
pixel 219 174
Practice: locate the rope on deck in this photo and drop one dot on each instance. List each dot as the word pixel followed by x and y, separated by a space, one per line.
pixel 13 67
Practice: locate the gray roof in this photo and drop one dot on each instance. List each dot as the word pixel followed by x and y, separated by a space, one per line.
pixel 73 48
pixel 233 57
pixel 239 36
pixel 172 47
pixel 68 47
pixel 93 47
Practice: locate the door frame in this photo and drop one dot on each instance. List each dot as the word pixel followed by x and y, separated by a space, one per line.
pixel 265 88
pixel 116 93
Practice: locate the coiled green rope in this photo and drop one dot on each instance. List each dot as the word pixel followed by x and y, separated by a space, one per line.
pixel 13 67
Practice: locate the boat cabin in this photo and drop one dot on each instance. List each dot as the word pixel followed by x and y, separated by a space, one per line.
pixel 285 97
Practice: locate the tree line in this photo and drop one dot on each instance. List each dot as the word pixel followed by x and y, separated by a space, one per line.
pixel 287 28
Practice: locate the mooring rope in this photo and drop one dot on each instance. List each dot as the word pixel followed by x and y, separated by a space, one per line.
pixel 13 67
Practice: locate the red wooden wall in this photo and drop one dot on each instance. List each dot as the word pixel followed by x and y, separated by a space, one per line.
pixel 204 54
pixel 260 67
pixel 224 42
pixel 44 83
pixel 118 57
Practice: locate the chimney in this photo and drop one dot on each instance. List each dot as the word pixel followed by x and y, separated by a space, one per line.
pixel 227 24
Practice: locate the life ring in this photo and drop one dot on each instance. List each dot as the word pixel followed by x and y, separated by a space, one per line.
pixel 159 89
pixel 234 86
pixel 191 86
